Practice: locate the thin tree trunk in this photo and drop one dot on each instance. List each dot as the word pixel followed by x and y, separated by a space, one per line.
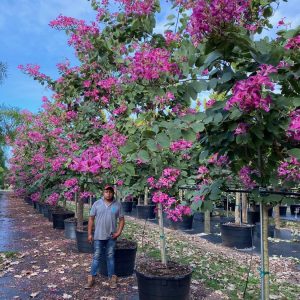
pixel 244 207
pixel 76 208
pixel 277 216
pixel 146 196
pixel 90 202
pixel 162 235
pixel 80 215
pixel 207 221
pixel 237 208
pixel 139 200
pixel 264 252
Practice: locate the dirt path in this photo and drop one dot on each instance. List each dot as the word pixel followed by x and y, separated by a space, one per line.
pixel 48 266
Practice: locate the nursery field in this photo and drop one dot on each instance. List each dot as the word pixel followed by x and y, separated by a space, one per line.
pixel 38 262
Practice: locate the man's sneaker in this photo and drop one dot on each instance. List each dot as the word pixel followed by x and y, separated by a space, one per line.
pixel 113 282
pixel 90 283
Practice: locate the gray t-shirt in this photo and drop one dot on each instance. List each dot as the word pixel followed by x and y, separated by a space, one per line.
pixel 105 218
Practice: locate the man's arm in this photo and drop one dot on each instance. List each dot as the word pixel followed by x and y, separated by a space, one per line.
pixel 120 228
pixel 90 228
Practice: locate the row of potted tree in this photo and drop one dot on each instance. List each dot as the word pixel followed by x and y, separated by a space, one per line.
pixel 129 114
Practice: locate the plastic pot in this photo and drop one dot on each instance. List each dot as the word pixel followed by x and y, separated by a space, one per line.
pixel 124 261
pixel 127 206
pixel 271 230
pixel 282 210
pixel 83 245
pixel 185 224
pixel 163 288
pixel 236 236
pixel 253 217
pixel 70 228
pixel 145 211
pixel 293 209
pixel 59 218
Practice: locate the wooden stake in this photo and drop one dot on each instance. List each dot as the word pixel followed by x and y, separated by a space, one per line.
pixel 162 235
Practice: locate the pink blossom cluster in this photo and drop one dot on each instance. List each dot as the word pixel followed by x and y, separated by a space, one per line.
pixel 294 126
pixel 57 163
pixel 86 195
pixel 33 70
pixel 242 128
pixel 150 64
pixel 178 212
pixel 289 170
pixel 167 180
pixel 96 158
pixel 120 110
pixel 173 209
pixel 210 103
pixel 247 94
pixel 171 37
pixel 293 43
pixel 52 199
pixel 245 174
pixel 212 16
pixel 35 197
pixel 36 137
pixel 138 7
pixel 202 172
pixel 180 145
pixel 107 83
pixel 218 160
pixel 71 182
pixel 164 100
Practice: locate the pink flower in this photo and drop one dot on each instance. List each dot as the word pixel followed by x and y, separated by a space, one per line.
pixel 53 199
pixel 71 182
pixel 242 128
pixel 245 174
pixel 180 145
pixel 289 170
pixel 294 127
pixel 293 43
pixel 210 103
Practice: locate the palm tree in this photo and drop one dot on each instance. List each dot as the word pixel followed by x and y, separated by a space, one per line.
pixel 3 70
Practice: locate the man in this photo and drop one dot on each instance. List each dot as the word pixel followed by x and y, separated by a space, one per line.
pixel 105 211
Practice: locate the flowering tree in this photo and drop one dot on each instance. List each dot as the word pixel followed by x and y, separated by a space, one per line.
pixel 129 108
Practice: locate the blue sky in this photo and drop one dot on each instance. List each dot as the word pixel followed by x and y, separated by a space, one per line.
pixel 27 38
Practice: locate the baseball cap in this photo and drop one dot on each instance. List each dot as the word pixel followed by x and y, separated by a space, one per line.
pixel 109 187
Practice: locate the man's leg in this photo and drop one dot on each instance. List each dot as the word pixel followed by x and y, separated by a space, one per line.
pixel 110 260
pixel 95 263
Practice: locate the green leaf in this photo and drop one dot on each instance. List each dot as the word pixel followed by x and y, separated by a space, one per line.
pixel 128 148
pixel 235 114
pixel 198 127
pixel 174 133
pixel 128 168
pixel 199 86
pixel 212 57
pixel 143 155
pixel 151 144
pixel 218 118
pixel 295 152
pixel 296 102
pixel 189 135
pixel 163 140
pixel 171 17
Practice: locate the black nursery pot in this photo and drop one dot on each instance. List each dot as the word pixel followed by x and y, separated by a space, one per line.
pixel 253 217
pixel 145 211
pixel 83 245
pixel 271 230
pixel 59 218
pixel 235 236
pixel 40 207
pixel 45 211
pixel 163 288
pixel 127 206
pixel 124 260
pixel 70 228
pixel 185 224
pixel 282 210
pixel 294 207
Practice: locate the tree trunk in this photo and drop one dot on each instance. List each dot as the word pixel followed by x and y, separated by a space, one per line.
pixel 64 203
pixel 162 235
pixel 76 208
pixel 139 200
pixel 146 196
pixel 237 208
pixel 277 216
pixel 245 208
pixel 207 221
pixel 80 215
pixel 90 202
pixel 264 221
